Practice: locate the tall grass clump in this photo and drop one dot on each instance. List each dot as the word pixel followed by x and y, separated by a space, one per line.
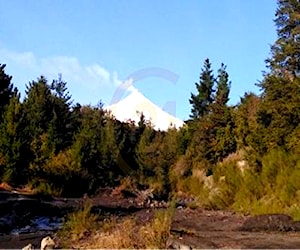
pixel 78 225
pixel 45 188
pixel 228 179
pixel 129 234
pixel 113 235
pixel 273 188
pixel 280 179
pixel 155 235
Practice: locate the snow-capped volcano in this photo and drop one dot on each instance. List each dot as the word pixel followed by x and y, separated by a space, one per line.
pixel 132 106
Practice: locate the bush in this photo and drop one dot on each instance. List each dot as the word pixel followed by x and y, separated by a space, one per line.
pixel 249 192
pixel 155 235
pixel 79 224
pixel 228 178
pixel 129 234
pixel 126 187
pixel 47 189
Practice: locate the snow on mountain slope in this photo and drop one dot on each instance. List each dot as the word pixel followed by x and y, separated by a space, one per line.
pixel 131 107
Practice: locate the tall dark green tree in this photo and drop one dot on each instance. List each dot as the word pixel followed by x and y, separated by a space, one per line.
pixel 61 126
pixel 95 148
pixel 14 144
pixel 245 119
pixel 204 97
pixel 285 58
pixel 279 112
pixel 223 88
pixel 6 89
pixel 38 106
pixel 38 111
pixel 213 137
pixel 223 141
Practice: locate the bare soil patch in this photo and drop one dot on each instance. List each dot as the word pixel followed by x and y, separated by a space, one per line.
pixel 196 228
pixel 219 229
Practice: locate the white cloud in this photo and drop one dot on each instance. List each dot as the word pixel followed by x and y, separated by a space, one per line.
pixel 127 85
pixel 87 83
pixel 97 72
pixel 26 58
pixel 93 75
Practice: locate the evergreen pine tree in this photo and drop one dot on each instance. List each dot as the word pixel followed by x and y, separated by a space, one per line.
pixel 13 143
pixel 6 89
pixel 223 142
pixel 245 119
pixel 38 106
pixel 204 97
pixel 285 58
pixel 61 126
pixel 213 137
pixel 219 106
pixel 279 112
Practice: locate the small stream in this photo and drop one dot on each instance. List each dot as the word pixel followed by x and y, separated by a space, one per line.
pixel 23 215
pixel 39 224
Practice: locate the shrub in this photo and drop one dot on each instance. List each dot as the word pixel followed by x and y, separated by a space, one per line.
pixel 249 192
pixel 156 234
pixel 225 191
pixel 127 186
pixel 79 224
pixel 48 190
pixel 129 234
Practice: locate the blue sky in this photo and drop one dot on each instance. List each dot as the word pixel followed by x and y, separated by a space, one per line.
pixel 98 44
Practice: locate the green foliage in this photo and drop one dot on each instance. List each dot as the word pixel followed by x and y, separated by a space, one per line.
pixel 224 195
pixel 61 126
pixel 279 111
pixel 50 124
pixel 201 101
pixel 156 152
pixel 37 105
pixel 250 191
pixel 13 143
pixel 285 58
pixel 212 135
pixel 79 224
pixel 6 89
pixel 45 188
pixel 245 119
pixel 275 189
pixel 155 235
pixel 96 149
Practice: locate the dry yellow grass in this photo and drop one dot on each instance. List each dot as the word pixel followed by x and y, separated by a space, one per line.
pixel 128 234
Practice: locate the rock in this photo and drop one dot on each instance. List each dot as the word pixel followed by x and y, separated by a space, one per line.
pixel 172 244
pixel 28 247
pixel 47 243
pixel 270 222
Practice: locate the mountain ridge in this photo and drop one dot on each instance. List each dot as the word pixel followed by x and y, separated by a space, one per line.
pixel 132 106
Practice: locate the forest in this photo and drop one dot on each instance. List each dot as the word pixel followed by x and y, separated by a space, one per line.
pixel 244 157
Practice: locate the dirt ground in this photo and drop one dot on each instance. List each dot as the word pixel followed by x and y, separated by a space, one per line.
pixel 219 229
pixel 196 228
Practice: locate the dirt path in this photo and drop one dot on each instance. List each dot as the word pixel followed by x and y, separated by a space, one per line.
pixel 217 229
pixel 198 229
pixel 195 228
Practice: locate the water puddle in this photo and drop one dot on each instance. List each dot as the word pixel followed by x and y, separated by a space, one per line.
pixel 38 224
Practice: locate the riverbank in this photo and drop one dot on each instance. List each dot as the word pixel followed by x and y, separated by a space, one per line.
pixel 197 228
